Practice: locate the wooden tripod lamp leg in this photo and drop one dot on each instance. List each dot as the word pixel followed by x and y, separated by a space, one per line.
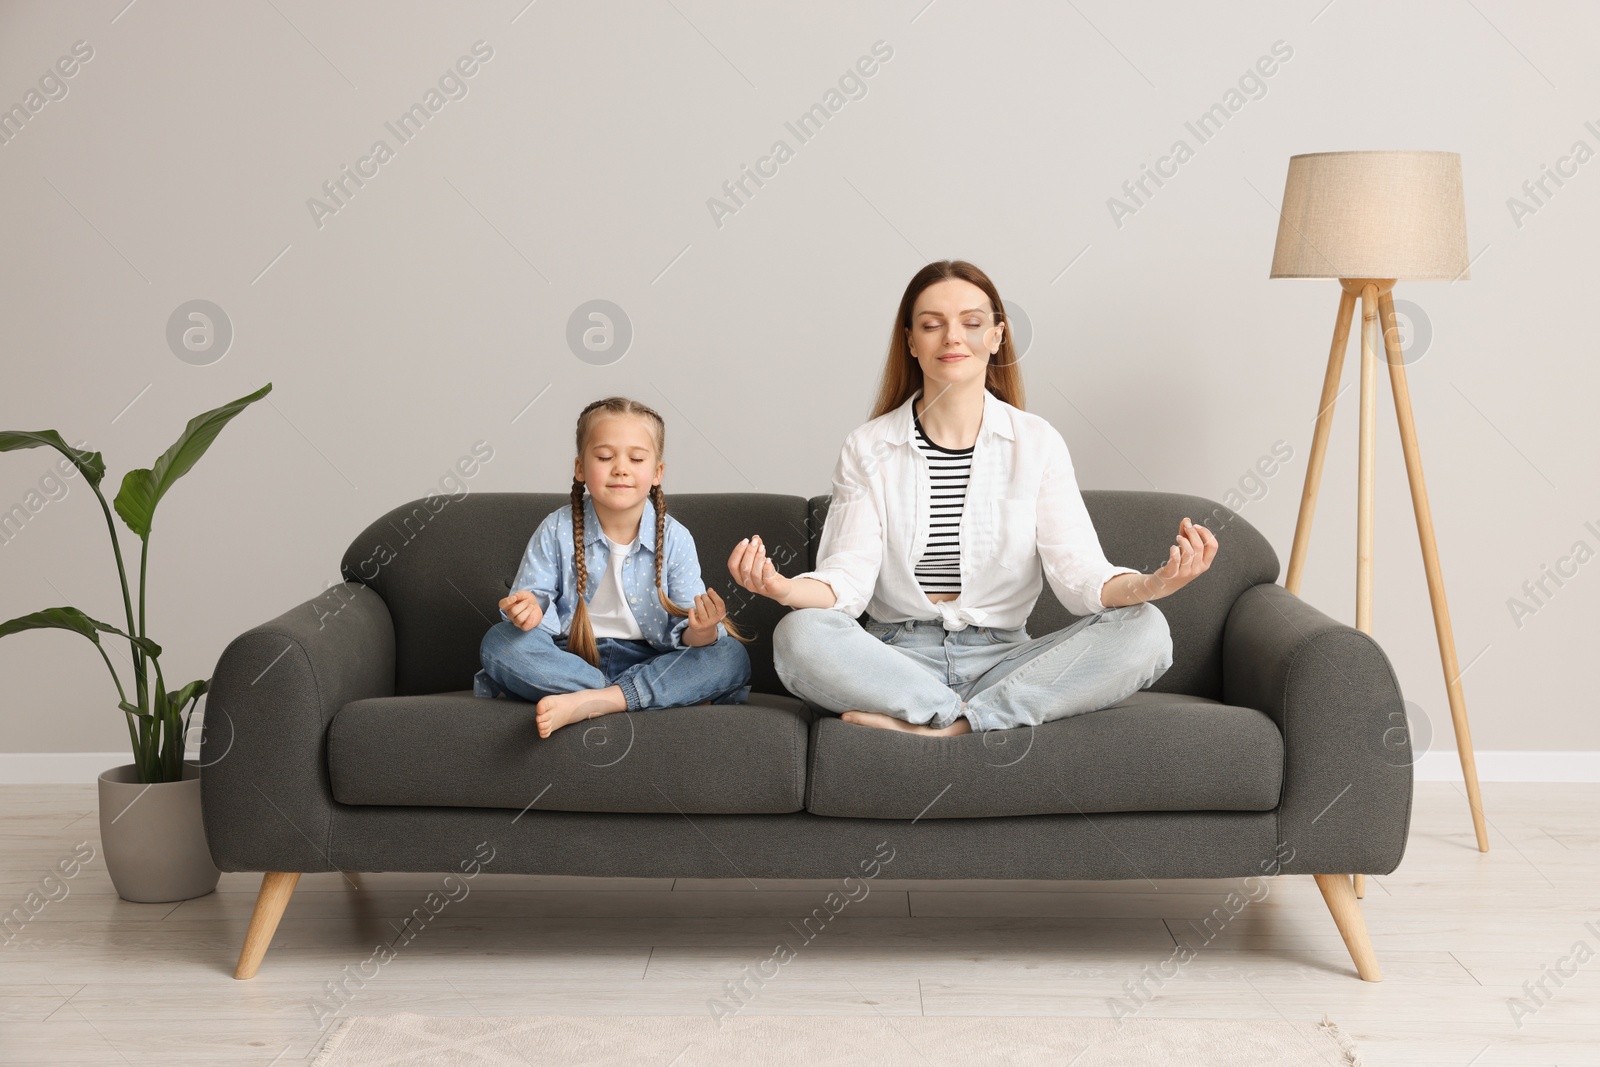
pixel 1366 480
pixel 1341 901
pixel 276 888
pixel 1430 559
pixel 1367 458
pixel 1319 442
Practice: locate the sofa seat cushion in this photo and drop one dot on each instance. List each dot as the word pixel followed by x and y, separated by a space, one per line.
pixel 1150 752
pixel 457 750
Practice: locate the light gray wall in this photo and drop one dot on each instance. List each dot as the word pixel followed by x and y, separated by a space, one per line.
pixel 426 313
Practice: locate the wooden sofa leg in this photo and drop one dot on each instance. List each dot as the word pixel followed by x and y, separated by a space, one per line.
pixel 1361 886
pixel 1340 897
pixel 276 888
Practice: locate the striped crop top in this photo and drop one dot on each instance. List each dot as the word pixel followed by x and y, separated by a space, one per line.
pixel 949 469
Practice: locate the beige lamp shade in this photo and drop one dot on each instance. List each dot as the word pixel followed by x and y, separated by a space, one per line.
pixel 1372 215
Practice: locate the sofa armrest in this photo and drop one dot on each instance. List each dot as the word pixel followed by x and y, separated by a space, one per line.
pixel 1347 775
pixel 265 792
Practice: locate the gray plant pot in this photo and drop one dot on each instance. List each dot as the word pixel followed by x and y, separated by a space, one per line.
pixel 153 836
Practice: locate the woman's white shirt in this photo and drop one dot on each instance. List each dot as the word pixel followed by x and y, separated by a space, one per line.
pixel 1023 510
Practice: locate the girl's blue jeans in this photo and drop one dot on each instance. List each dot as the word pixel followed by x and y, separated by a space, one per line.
pixel 533 664
pixel 997 679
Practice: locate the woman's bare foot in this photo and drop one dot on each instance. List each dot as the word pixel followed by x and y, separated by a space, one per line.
pixel 559 709
pixel 889 722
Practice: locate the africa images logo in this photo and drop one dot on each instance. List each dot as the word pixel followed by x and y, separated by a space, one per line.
pixel 452 85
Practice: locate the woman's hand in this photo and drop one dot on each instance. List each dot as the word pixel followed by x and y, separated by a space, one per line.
pixel 707 610
pixel 752 570
pixel 1186 561
pixel 522 607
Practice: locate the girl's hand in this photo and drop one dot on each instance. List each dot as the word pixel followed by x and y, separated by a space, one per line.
pixel 1186 560
pixel 752 570
pixel 708 610
pixel 523 609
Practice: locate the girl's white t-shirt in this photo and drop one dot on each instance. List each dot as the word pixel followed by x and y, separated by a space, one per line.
pixel 609 614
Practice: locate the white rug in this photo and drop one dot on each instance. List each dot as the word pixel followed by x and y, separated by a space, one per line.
pixel 823 1041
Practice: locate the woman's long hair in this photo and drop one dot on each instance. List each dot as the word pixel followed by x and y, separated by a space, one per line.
pixel 580 638
pixel 902 374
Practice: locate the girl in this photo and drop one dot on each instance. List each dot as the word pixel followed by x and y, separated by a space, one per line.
pixel 944 508
pixel 615 648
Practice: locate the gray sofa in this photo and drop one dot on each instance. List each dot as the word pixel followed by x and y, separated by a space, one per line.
pixel 343 735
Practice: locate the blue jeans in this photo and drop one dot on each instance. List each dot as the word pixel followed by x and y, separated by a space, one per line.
pixel 997 679
pixel 533 664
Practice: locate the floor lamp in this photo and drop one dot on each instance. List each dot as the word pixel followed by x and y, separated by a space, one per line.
pixel 1369 219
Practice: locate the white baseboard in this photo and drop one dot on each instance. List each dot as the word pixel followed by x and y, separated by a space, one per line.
pixel 1511 765
pixel 62 768
pixel 1494 765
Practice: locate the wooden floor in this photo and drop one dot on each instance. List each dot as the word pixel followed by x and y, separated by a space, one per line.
pixel 96 979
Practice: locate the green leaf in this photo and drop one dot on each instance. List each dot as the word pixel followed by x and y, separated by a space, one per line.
pixel 52 618
pixel 74 620
pixel 134 709
pixel 89 464
pixel 192 691
pixel 142 489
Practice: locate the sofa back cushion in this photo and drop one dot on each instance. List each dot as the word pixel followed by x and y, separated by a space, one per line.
pixel 1136 528
pixel 442 564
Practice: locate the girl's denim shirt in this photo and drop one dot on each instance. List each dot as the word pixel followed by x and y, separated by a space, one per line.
pixel 548 571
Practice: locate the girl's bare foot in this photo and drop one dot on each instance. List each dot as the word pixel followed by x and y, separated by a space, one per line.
pixel 559 709
pixel 889 722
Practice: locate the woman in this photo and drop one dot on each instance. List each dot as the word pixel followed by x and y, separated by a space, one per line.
pixel 944 507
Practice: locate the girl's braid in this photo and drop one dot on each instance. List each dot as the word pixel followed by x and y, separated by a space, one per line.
pixel 580 636
pixel 659 498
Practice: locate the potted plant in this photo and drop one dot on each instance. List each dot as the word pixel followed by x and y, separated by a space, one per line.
pixel 150 825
